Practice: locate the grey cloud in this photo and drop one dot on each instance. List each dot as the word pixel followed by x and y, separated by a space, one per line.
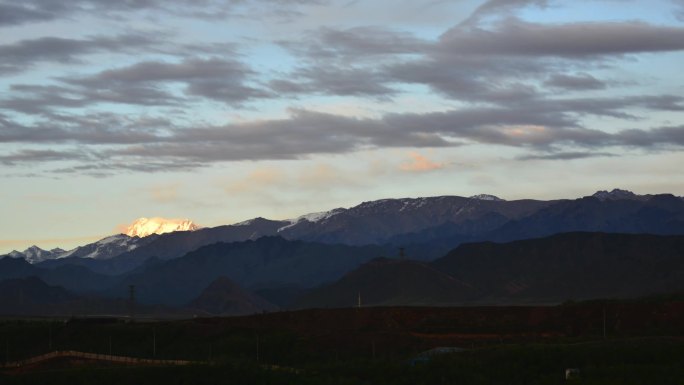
pixel 566 156
pixel 187 70
pixel 346 61
pixel 326 132
pixel 220 79
pixel 330 80
pixel 97 129
pixel 109 168
pixel 357 43
pixel 142 84
pixel 673 135
pixel 12 14
pixel 499 7
pixel 471 79
pixel 23 54
pixel 46 10
pixel 43 100
pixel 575 82
pixel 39 156
pixel 574 40
pixel 306 133
pixel 129 146
pixel 499 64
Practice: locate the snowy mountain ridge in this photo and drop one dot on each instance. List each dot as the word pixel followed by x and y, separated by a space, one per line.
pixel 143 227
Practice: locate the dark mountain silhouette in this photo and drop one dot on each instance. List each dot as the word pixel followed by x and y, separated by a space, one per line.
pixel 387 282
pixel 659 214
pixel 224 297
pixel 74 278
pixel 618 211
pixel 16 268
pixel 569 266
pixel 118 265
pixel 31 296
pixel 281 296
pixel 268 262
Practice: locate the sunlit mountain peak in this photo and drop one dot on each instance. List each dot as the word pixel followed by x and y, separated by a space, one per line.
pixel 143 227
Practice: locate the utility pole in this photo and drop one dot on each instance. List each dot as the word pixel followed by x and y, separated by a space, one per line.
pixel 257 348
pixel 402 254
pixel 604 321
pixel 110 345
pixel 358 303
pixel 154 342
pixel 50 337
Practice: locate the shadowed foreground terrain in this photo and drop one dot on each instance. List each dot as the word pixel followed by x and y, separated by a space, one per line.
pixel 644 343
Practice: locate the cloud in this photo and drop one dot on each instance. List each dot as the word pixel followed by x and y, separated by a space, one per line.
pixel 21 55
pixel 358 43
pixel 29 11
pixel 13 14
pixel 545 126
pixel 499 8
pixel 500 75
pixel 566 155
pixel 145 83
pixel 498 63
pixel 39 156
pixel 581 81
pixel 96 129
pixel 142 84
pixel 419 163
pixel 338 81
pixel 515 37
pixel 346 62
pixel 257 180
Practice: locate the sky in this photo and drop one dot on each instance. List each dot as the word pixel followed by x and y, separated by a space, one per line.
pixel 224 110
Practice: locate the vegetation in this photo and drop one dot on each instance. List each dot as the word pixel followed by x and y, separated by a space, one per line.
pixel 639 361
pixel 367 346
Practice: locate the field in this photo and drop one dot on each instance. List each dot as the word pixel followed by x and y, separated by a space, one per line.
pixel 638 342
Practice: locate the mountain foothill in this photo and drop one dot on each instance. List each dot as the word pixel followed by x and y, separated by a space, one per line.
pixel 433 251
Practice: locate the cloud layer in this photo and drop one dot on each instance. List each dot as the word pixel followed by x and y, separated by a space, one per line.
pixel 503 80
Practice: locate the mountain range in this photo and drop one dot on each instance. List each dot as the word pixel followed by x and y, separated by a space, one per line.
pixel 562 267
pixel 427 227
pixel 391 251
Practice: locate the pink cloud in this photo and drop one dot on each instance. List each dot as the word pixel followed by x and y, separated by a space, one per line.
pixel 420 163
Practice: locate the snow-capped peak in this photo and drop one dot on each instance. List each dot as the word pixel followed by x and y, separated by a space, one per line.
pixel 106 248
pixel 143 227
pixel 35 254
pixel 16 254
pixel 312 217
pixel 614 195
pixel 486 197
